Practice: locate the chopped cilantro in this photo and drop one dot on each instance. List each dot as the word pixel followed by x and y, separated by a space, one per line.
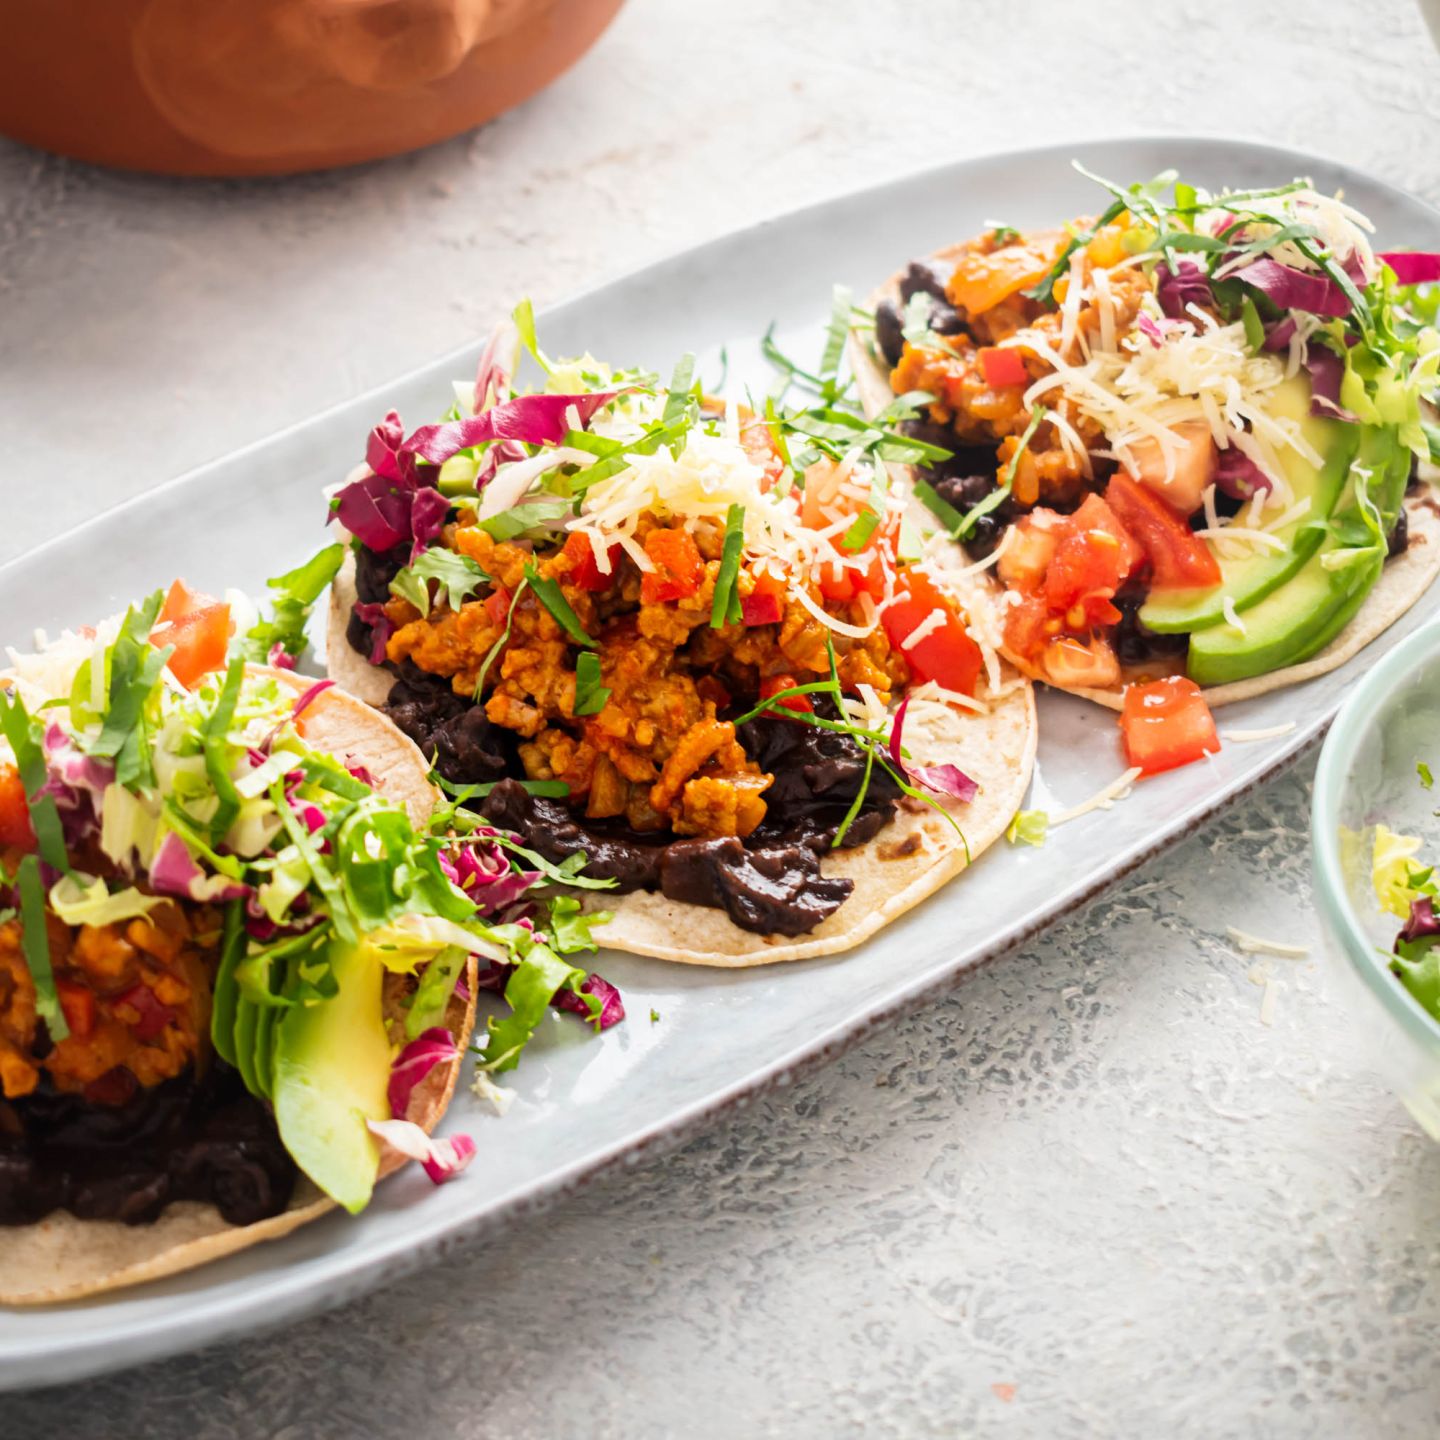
pixel 19 730
pixel 502 639
pixel 35 946
pixel 134 673
pixel 549 594
pixel 591 696
pixel 1423 771
pixel 654 1016
pixel 725 609
pixel 550 789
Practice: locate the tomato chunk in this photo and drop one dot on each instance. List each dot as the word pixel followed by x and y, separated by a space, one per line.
pixel 679 569
pixel 765 604
pixel 1002 368
pixel 497 605
pixel 15 828
pixel 585 573
pixel 1094 554
pixel 1166 723
pixel 198 626
pixel 181 600
pixel 775 684
pixel 945 653
pixel 77 1004
pixel 758 442
pixel 1178 557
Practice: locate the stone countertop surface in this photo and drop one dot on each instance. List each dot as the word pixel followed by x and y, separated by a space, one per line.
pixel 1093 1191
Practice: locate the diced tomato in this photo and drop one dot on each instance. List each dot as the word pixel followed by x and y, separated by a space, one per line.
pixel 758 442
pixel 1166 723
pixel 1095 514
pixel 679 570
pixel 821 502
pixel 765 604
pixel 198 626
pixel 776 683
pixel 585 574
pixel 1002 367
pixel 1080 664
pixel 1028 626
pixel 946 654
pixel 1093 556
pixel 497 605
pixel 77 1004
pixel 181 600
pixel 153 1016
pixel 1179 558
pixel 15 828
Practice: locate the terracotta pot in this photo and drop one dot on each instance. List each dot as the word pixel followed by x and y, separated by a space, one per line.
pixel 265 87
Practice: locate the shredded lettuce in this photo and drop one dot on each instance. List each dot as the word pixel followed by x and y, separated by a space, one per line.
pixel 1395 878
pixel 92 903
pixel 293 598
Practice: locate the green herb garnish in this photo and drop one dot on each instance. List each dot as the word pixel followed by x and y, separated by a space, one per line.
pixel 725 608
pixel 35 946
pixel 549 594
pixel 591 696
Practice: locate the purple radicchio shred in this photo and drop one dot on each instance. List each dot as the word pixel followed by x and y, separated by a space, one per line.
pixel 1293 289
pixel 1238 476
pixel 1185 285
pixel 310 696
pixel 1423 921
pixel 1412 267
pixel 612 1007
pixel 382 627
pixel 1279 335
pixel 941 779
pixel 1326 370
pixel 482 871
pixel 430 1048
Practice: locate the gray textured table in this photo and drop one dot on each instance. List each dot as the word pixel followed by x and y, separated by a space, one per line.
pixel 1092 1192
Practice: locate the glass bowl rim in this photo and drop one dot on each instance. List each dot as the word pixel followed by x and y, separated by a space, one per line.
pixel 1341 746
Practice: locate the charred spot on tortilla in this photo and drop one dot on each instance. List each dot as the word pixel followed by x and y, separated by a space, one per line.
pixel 912 844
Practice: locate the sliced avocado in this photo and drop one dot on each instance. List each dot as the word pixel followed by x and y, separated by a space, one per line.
pixel 331 1073
pixel 1300 618
pixel 1288 626
pixel 1249 578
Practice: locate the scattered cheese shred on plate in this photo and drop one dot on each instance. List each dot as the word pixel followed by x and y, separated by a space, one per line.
pixel 1255 945
pixel 1244 737
pixel 1117 789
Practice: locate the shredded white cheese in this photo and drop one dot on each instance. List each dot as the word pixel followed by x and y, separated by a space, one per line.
pixel 1255 945
pixel 1116 790
pixel 1245 737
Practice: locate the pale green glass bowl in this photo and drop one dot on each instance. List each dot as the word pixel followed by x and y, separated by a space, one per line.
pixel 1366 776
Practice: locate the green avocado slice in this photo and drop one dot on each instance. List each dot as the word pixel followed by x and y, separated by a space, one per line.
pixel 1301 617
pixel 1288 626
pixel 1249 578
pixel 331 1070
